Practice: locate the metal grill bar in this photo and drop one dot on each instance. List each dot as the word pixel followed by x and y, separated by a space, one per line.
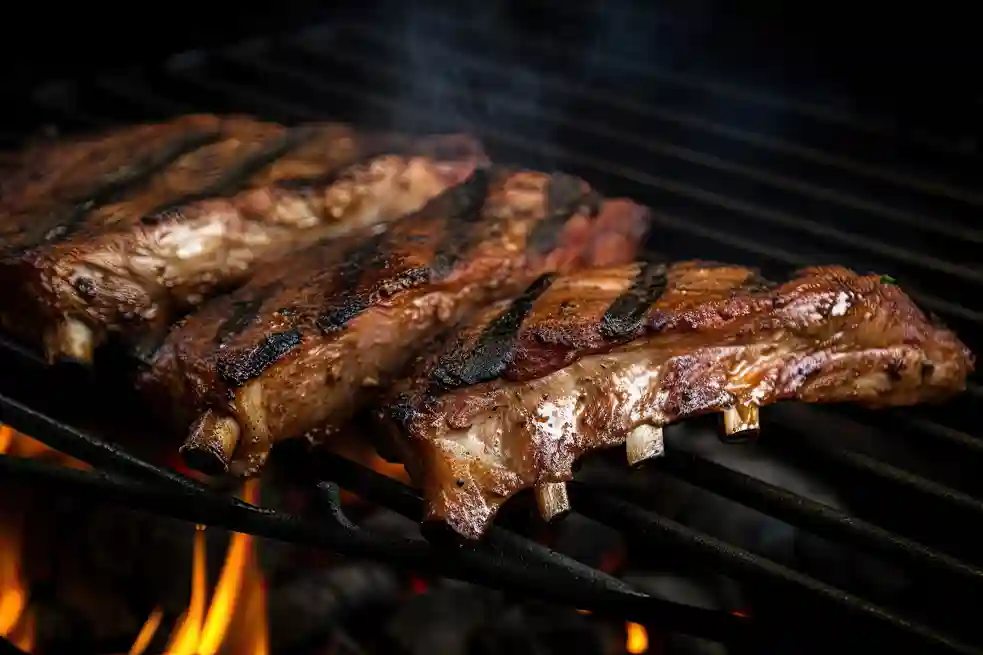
pixel 821 519
pixel 845 457
pixel 495 563
pixel 288 79
pixel 261 67
pixel 652 528
pixel 677 159
pixel 376 38
pixel 885 138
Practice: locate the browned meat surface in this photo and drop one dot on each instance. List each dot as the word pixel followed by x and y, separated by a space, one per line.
pixel 607 357
pixel 305 344
pixel 122 232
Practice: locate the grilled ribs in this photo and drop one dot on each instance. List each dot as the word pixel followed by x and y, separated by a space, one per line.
pixel 606 357
pixel 305 344
pixel 122 232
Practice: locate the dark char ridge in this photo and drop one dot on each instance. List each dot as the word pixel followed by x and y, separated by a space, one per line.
pixel 462 206
pixel 456 209
pixel 237 177
pixel 493 348
pixel 113 187
pixel 368 254
pixel 244 311
pixel 241 368
pixel 564 196
pixel 625 314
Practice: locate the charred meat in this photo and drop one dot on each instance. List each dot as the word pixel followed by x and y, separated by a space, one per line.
pixel 305 344
pixel 607 357
pixel 122 232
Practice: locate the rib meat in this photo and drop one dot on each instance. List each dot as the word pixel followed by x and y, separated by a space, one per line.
pixel 305 344
pixel 607 357
pixel 122 232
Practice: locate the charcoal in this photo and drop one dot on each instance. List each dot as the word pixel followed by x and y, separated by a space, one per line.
pixel 311 606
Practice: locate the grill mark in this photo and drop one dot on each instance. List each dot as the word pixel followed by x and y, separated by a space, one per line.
pixel 756 283
pixel 244 313
pixel 564 197
pixel 493 348
pixel 371 149
pixel 240 369
pixel 462 206
pixel 113 188
pixel 459 203
pixel 348 309
pixel 369 254
pixel 237 177
pixel 625 314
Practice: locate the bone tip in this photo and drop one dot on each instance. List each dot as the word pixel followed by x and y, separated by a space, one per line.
pixel 552 499
pixel 70 342
pixel 645 442
pixel 211 444
pixel 741 422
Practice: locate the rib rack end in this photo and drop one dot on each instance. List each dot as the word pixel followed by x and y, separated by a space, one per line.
pixel 741 422
pixel 552 499
pixel 211 443
pixel 643 443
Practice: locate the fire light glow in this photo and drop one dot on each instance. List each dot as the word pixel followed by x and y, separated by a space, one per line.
pixel 637 640
pixel 233 623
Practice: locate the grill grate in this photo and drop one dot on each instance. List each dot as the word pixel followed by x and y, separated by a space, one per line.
pixel 733 174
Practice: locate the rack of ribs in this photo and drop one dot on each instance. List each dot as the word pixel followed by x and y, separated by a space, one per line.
pixel 607 357
pixel 124 231
pixel 309 341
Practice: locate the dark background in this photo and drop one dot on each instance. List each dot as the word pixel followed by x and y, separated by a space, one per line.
pixel 886 46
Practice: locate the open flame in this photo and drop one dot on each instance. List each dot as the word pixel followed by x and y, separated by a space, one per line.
pixel 637 639
pixel 16 617
pixel 233 622
pixel 235 619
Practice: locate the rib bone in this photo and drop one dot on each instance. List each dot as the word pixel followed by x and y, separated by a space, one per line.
pixel 211 443
pixel 552 499
pixel 644 442
pixel 70 339
pixel 740 420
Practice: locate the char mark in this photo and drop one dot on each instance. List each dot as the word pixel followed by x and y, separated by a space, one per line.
pixel 244 312
pixel 111 188
pixel 564 196
pixel 239 369
pixel 371 148
pixel 338 316
pixel 367 255
pixel 237 177
pixel 493 349
pixel 625 314
pixel 460 209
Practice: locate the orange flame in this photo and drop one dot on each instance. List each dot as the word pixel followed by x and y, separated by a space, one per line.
pixel 16 618
pixel 233 623
pixel 637 640
pixel 147 632
pixel 235 620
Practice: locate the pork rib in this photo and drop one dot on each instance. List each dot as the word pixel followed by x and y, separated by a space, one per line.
pixel 304 344
pixel 606 357
pixel 121 232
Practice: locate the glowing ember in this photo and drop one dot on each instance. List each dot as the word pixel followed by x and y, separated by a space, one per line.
pixel 637 640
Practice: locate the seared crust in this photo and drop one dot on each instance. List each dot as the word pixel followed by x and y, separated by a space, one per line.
pixel 304 344
pixel 121 232
pixel 599 353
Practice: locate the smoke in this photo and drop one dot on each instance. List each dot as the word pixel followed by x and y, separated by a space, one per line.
pixel 516 73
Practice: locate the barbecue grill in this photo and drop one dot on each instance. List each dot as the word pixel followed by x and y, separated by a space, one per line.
pixel 808 183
